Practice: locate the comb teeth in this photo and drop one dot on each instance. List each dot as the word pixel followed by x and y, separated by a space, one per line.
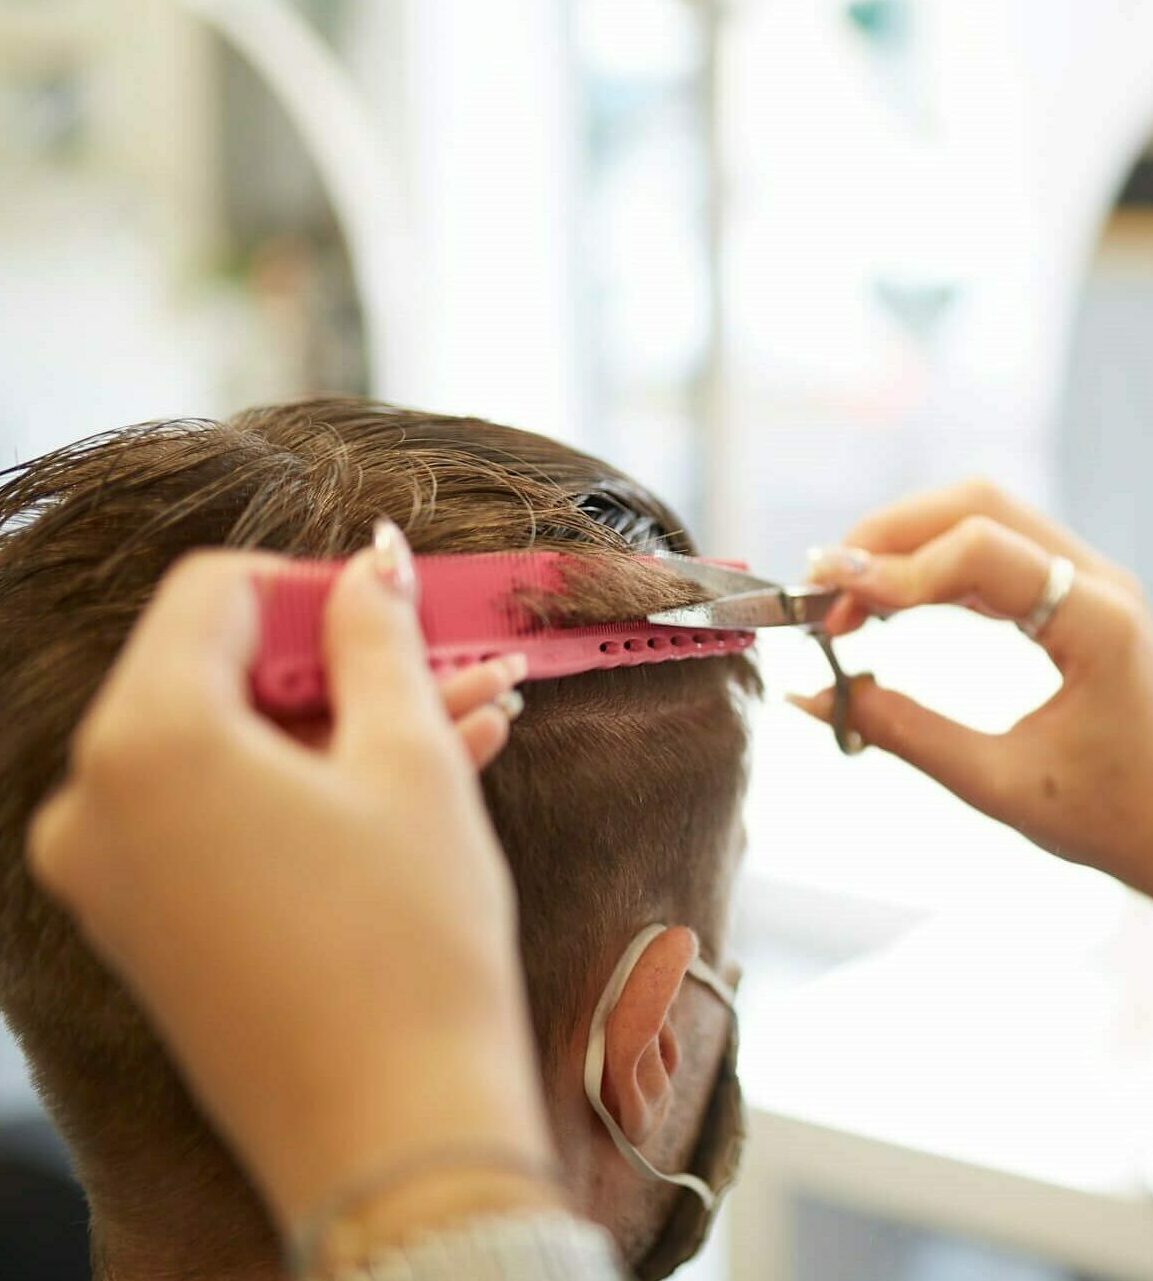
pixel 472 609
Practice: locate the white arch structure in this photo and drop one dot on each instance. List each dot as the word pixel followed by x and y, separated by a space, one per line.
pixel 337 130
pixel 1079 126
pixel 1076 86
pixel 1123 120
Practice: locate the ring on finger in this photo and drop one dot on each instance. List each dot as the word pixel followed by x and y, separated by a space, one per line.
pixel 1057 587
pixel 511 703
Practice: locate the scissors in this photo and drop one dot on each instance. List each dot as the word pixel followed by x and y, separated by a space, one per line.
pixel 745 602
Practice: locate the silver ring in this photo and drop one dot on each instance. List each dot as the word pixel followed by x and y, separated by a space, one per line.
pixel 1057 587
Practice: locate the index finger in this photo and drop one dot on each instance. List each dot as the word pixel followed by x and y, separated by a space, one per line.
pixel 191 650
pixel 912 522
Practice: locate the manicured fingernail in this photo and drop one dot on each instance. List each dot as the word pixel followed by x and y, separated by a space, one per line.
pixel 394 563
pixel 511 703
pixel 838 563
pixel 517 667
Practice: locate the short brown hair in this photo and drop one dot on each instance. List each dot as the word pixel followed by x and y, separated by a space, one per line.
pixel 615 799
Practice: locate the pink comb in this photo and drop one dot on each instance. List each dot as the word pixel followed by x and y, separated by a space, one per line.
pixel 472 608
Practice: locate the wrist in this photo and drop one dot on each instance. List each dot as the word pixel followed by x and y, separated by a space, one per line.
pixel 450 1089
pixel 429 1195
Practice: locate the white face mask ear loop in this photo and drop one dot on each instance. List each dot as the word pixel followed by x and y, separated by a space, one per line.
pixel 595 1060
pixel 713 981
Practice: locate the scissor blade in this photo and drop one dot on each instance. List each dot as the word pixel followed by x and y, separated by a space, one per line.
pixel 778 607
pixel 810 606
pixel 720 579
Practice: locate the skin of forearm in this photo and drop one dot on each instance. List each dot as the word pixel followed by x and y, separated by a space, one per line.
pixel 432 1202
pixel 403 1148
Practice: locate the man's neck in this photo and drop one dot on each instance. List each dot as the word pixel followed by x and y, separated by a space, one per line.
pixel 114 1272
pixel 175 1258
pixel 195 1220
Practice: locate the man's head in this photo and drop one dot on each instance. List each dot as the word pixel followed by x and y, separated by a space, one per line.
pixel 617 800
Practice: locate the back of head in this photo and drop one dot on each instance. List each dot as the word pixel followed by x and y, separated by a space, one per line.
pixel 615 799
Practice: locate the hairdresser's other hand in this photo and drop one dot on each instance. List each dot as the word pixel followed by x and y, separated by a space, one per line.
pixel 324 938
pixel 1074 776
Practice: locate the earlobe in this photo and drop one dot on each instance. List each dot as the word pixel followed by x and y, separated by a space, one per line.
pixel 642 1051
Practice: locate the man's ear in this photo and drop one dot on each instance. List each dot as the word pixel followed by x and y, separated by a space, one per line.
pixel 642 1052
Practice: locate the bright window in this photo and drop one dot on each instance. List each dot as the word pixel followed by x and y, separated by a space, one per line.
pixel 647 242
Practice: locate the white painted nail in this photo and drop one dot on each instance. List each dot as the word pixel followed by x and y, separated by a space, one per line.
pixel 394 563
pixel 838 562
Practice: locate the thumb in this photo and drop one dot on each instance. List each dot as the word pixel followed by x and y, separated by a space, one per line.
pixel 379 682
pixel 964 760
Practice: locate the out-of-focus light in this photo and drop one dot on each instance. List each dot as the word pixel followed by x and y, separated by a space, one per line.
pixel 882 20
pixel 643 38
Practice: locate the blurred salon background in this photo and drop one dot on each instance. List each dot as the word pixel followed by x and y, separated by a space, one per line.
pixel 784 260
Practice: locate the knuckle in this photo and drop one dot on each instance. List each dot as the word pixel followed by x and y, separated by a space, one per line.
pixel 944 569
pixel 206 565
pixel 55 845
pixel 1126 620
pixel 105 756
pixel 975 534
pixel 126 753
pixel 45 839
pixel 982 496
pixel 205 569
pixel 94 746
pixel 193 565
pixel 1130 583
pixel 971 543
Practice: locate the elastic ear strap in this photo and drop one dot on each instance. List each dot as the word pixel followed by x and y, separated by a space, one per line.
pixel 595 1065
pixel 712 980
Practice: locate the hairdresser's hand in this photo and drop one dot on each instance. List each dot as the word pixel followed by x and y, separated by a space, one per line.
pixel 1074 776
pixel 324 938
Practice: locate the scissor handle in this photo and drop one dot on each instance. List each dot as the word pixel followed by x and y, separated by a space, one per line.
pixel 848 739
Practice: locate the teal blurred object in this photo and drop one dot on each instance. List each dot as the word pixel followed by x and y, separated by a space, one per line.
pixel 885 21
pixel 918 307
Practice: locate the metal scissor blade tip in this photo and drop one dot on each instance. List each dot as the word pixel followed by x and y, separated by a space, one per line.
pixel 689 616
